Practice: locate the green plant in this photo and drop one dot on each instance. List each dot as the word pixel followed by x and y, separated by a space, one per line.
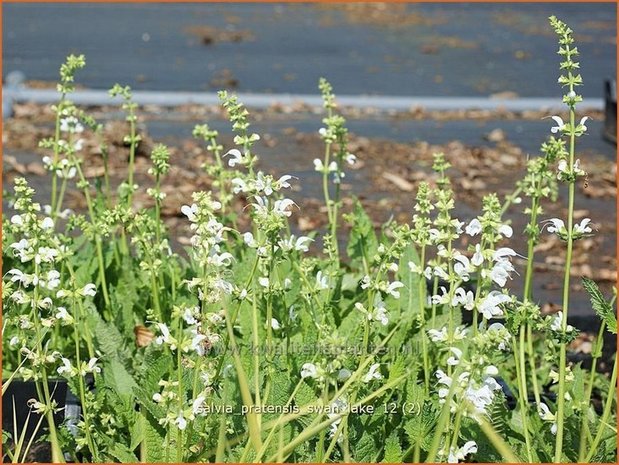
pixel 246 347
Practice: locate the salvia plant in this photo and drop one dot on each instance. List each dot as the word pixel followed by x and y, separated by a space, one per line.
pixel 257 344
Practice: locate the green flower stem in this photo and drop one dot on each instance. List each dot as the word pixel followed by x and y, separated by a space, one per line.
pixel 532 364
pixel 498 443
pixel 132 148
pixel 256 342
pixel 308 433
pixel 98 245
pixel 56 140
pixel 42 387
pixel 584 426
pixel 422 314
pixel 524 396
pixel 91 444
pixel 157 209
pixel 604 424
pixel 456 432
pixel 181 394
pixel 566 293
pixel 531 242
pixel 63 187
pixel 252 420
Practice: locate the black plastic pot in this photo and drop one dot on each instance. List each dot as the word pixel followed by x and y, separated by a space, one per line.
pixel 15 406
pixel 610 111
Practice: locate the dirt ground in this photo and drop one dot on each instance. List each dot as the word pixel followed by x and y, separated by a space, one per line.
pixel 385 179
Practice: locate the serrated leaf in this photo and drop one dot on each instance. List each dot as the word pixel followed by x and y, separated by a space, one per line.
pixel 409 294
pixel 393 449
pixel 362 242
pixel 153 443
pixel 118 378
pixel 603 308
pixel 122 454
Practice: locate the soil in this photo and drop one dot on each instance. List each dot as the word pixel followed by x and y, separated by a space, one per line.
pixel 385 179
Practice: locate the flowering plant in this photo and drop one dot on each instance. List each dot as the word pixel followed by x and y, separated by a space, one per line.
pixel 260 344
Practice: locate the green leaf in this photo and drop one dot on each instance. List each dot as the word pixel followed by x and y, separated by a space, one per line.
pixel 603 308
pixel 362 243
pixel 109 339
pixel 153 443
pixel 409 295
pixel 393 449
pixel 118 378
pixel 122 453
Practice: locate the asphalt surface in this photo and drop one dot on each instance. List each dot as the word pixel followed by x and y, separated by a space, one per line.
pixel 426 49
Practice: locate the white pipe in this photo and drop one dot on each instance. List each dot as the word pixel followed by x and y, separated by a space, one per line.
pixel 253 100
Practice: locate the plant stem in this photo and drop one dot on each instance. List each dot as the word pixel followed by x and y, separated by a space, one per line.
pixel 584 427
pixel 612 387
pixel 566 294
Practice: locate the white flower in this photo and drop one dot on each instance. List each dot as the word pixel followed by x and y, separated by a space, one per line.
pixel 556 225
pixel 392 289
pixel 478 257
pixel 506 230
pixel 188 316
pixel 180 422
pixel 190 212
pixel 455 358
pixel 197 343
pixel 378 314
pixel 238 185
pixel 503 252
pixel 583 227
pixel 344 374
pixel 17 219
pixel 350 159
pixel 564 170
pixel 89 289
pixel 275 324
pixel 372 373
pixel 437 335
pixel 489 307
pixel 557 323
pixel 196 406
pixel 90 367
pixel 322 282
pixel 414 268
pixel 14 341
pixel 45 254
pixel 66 368
pixel 53 280
pixel 462 267
pixel 237 157
pixel 309 370
pixel 500 272
pixel 319 166
pixel 248 238
pixel 280 207
pixel 20 276
pixel 440 299
pixel 263 281
pixel 583 120
pixel 455 455
pixel 165 337
pixel 47 223
pixel 464 298
pixel 441 273
pixel 473 228
pixel 560 125
pixel 282 182
pixel 63 316
pixel 71 124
